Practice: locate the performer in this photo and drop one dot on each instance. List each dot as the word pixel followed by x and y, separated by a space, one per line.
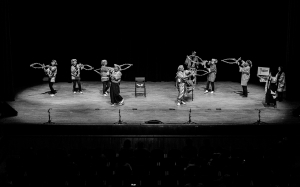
pixel 192 63
pixel 180 84
pixel 211 77
pixel 245 70
pixel 75 75
pixel 280 76
pixel 271 89
pixel 115 96
pixel 51 71
pixel 104 72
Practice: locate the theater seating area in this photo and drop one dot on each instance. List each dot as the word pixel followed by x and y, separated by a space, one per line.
pixel 189 166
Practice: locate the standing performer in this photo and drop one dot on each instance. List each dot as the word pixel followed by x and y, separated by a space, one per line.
pixel 75 75
pixel 211 77
pixel 51 71
pixel 180 84
pixel 271 89
pixel 115 77
pixel 192 63
pixel 280 83
pixel 104 72
pixel 245 70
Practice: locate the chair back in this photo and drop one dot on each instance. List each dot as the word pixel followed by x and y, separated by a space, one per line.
pixel 140 82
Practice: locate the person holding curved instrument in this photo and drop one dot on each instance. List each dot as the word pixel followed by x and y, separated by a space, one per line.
pixel 211 77
pixel 271 89
pixel 245 70
pixel 192 62
pixel 75 75
pixel 115 77
pixel 180 84
pixel 51 72
pixel 104 72
pixel 280 76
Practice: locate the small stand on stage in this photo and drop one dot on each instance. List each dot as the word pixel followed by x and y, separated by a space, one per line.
pixel 190 121
pixel 258 121
pixel 49 121
pixel 120 121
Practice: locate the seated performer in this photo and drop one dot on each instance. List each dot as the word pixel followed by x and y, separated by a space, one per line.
pixel 280 83
pixel 245 70
pixel 51 71
pixel 271 89
pixel 211 75
pixel 75 75
pixel 105 77
pixel 115 96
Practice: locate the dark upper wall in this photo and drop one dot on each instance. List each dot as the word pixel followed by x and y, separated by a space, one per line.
pixel 154 37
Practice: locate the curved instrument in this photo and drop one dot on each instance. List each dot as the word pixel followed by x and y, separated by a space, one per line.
pixel 38 66
pixel 204 72
pixel 202 62
pixel 86 67
pixel 129 65
pixel 231 60
pixel 111 69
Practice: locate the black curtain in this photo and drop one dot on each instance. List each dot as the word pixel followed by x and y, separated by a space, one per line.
pixel 292 50
pixel 6 72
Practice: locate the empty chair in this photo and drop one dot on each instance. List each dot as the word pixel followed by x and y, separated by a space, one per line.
pixel 140 84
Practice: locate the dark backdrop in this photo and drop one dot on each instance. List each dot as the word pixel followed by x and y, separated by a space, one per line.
pixel 154 37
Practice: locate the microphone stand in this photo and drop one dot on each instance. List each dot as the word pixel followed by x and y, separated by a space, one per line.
pixel 190 121
pixel 120 121
pixel 49 120
pixel 259 122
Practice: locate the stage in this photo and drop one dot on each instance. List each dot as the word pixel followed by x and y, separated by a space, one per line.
pixel 224 107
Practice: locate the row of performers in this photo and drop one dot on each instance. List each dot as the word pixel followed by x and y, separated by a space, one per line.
pixel 186 79
pixel 110 77
pixel 275 86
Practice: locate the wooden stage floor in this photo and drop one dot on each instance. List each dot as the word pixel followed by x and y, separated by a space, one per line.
pixel 224 106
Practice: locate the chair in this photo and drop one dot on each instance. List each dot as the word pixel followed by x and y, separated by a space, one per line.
pixel 189 87
pixel 140 83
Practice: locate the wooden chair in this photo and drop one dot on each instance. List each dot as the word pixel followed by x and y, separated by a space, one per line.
pixel 140 83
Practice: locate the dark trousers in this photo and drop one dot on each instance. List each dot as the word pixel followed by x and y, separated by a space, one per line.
pixel 115 93
pixel 52 91
pixel 106 85
pixel 245 91
pixel 74 85
pixel 212 85
pixel 280 96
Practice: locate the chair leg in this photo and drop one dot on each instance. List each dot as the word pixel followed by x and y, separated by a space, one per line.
pixel 192 95
pixel 145 91
pixel 135 90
